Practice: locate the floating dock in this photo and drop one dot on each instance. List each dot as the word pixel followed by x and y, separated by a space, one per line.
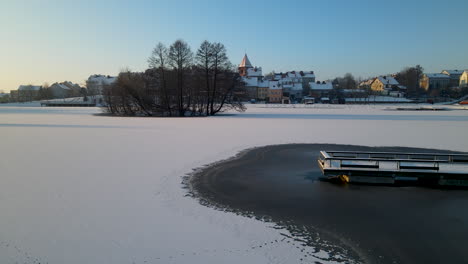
pixel 395 167
pixel 72 104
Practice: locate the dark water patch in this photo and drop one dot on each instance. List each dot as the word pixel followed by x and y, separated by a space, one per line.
pixel 358 223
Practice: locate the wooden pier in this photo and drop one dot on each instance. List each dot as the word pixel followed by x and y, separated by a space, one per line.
pixel 395 168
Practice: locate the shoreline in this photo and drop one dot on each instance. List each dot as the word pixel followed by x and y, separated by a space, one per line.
pixel 279 184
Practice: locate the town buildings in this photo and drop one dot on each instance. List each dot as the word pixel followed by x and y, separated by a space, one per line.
pixel 454 77
pixel 440 81
pixel 25 93
pixel 278 88
pixel 434 81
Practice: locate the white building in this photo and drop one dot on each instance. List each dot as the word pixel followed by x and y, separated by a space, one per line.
pixel 454 77
pixel 96 83
pixel 321 90
pixel 434 81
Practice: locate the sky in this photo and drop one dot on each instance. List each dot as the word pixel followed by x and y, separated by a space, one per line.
pixel 47 41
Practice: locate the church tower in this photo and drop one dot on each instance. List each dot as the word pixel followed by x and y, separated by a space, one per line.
pixel 244 65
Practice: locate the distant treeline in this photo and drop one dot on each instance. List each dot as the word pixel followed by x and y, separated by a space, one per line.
pixel 178 83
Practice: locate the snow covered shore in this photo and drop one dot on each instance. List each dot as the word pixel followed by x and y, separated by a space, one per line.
pixel 80 188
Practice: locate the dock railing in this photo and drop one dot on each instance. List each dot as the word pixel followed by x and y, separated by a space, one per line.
pixel 389 161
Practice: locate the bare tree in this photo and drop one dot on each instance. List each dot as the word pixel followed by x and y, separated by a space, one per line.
pixel 220 63
pixel 410 77
pixel 204 59
pixel 158 60
pixel 180 58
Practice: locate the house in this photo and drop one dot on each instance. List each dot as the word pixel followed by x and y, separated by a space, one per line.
pixel 385 84
pixel 65 89
pixel 366 85
pixel 25 93
pixel 262 92
pixel 293 90
pixel 4 97
pixel 454 77
pixel 321 90
pixel 434 81
pixel 96 83
pixel 295 93
pixel 307 77
pixel 60 90
pixel 464 79
pixel 275 92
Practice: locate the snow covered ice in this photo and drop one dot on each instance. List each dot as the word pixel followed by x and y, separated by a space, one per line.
pixel 81 188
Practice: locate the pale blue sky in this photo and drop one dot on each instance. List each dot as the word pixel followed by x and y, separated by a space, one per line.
pixel 49 41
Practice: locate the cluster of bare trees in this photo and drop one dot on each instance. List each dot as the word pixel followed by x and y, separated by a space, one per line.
pixel 347 82
pixel 178 83
pixel 410 77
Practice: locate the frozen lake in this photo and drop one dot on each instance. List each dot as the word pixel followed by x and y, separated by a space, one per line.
pixel 81 188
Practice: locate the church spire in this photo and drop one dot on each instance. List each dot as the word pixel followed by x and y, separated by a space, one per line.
pixel 245 63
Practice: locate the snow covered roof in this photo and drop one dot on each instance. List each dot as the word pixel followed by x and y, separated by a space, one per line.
pixel 278 76
pixel 299 74
pixel 366 82
pixel 60 85
pixel 321 86
pixel 245 62
pixel 437 76
pixel 250 81
pixel 293 74
pixel 103 79
pixel 286 80
pixel 388 80
pixel 452 72
pixel 264 84
pixel 29 88
pixel 254 71
pixel 297 86
pixel 274 85
pixel 309 74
